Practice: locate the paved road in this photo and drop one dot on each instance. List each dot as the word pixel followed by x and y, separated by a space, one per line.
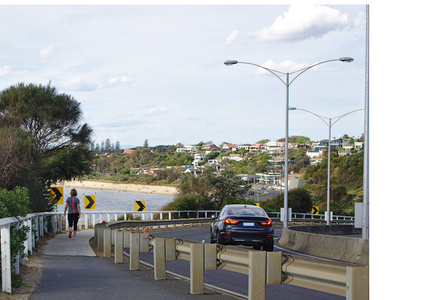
pixel 72 271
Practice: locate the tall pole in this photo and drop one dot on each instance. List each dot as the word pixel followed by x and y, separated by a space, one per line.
pixel 365 217
pixel 286 173
pixel 328 197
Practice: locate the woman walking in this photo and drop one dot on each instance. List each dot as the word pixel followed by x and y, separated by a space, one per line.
pixel 73 207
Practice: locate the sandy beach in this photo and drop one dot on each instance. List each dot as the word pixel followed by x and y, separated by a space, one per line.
pixel 135 188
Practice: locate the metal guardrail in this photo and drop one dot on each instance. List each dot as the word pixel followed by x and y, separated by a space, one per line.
pixel 42 223
pixel 344 279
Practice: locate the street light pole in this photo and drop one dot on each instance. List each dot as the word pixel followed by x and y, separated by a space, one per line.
pixel 287 83
pixel 329 124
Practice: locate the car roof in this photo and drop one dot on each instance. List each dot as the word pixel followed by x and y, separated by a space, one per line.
pixel 242 205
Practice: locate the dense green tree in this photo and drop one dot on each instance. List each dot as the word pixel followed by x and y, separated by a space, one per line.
pixel 299 200
pixel 224 185
pixel 53 122
pixel 14 203
pixel 192 185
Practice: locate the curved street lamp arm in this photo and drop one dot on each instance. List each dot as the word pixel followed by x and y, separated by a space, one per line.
pixel 339 117
pixel 310 67
pixel 318 116
pixel 267 69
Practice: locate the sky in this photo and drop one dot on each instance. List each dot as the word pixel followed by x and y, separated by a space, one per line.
pixel 156 72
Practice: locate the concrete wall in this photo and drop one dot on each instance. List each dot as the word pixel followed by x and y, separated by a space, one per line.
pixel 348 249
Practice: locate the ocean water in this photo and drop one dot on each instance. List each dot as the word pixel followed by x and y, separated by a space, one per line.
pixel 111 200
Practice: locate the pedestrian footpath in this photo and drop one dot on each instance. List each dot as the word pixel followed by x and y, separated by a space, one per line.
pixel 71 270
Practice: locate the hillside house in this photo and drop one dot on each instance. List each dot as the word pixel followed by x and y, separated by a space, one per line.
pixel 198 158
pixel 210 148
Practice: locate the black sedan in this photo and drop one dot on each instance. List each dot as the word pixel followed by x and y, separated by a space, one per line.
pixel 246 225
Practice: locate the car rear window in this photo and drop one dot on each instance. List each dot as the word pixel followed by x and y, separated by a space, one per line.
pixel 246 211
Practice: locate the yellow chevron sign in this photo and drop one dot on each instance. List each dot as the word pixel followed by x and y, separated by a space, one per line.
pixel 140 205
pixel 314 210
pixel 90 202
pixel 56 194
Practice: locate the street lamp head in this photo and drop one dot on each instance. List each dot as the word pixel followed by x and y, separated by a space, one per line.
pixel 346 59
pixel 230 62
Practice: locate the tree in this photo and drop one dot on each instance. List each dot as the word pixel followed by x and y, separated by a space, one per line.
pixel 192 185
pixel 108 145
pixel 14 203
pixel 145 144
pixel 225 185
pixel 299 200
pixel 16 156
pixel 53 122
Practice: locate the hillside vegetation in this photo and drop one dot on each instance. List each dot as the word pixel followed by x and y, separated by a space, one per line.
pixel 346 176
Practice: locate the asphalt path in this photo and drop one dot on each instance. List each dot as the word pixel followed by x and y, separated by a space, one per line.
pixel 232 281
pixel 71 270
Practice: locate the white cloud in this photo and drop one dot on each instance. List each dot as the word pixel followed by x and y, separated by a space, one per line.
pixel 82 83
pixel 119 80
pixel 232 37
pixel 157 111
pixel 303 21
pixel 5 70
pixel 77 83
pixel 46 51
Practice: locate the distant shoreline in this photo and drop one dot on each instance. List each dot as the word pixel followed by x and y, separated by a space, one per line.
pixel 134 188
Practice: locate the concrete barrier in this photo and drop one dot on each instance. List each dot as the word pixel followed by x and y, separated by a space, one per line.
pixel 348 249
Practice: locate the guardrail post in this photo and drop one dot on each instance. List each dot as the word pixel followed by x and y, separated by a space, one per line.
pixel 357 283
pixel 118 246
pixel 257 275
pixel 144 242
pixel 197 269
pixel 170 249
pixel 126 239
pixel 210 256
pixel 273 267
pixel 100 230
pixel 134 251
pixel 107 242
pixel 159 259
pixel 6 259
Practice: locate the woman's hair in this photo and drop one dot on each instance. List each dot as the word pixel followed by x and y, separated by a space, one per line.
pixel 73 192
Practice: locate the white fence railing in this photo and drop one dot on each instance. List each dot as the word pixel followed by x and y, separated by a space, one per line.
pixel 42 223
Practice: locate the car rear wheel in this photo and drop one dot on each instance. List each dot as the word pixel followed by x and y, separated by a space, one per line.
pixel 269 247
pixel 219 239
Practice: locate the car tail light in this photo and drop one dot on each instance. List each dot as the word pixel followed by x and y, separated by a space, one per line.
pixel 266 223
pixel 230 221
